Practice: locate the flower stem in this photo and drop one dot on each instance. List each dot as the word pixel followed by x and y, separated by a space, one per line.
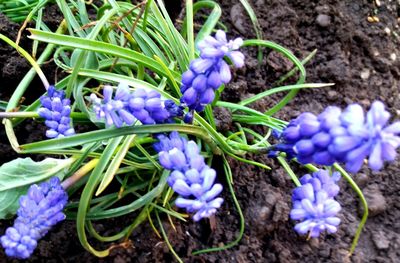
pixel 363 201
pixel 34 114
pixel 189 28
pixel 22 114
pixel 80 173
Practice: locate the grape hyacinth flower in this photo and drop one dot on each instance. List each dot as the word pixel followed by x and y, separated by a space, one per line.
pixel 127 107
pixel 191 178
pixel 56 111
pixel 208 72
pixel 349 137
pixel 39 211
pixel 314 204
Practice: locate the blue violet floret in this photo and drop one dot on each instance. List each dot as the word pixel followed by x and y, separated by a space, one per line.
pixel 208 72
pixel 127 107
pixel 314 204
pixel 56 111
pixel 39 211
pixel 348 136
pixel 191 178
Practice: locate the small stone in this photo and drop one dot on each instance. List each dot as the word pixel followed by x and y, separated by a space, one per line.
pixel 380 240
pixel 387 31
pixel 376 201
pixel 373 19
pixel 323 20
pixel 365 73
pixel 393 56
pixel 332 95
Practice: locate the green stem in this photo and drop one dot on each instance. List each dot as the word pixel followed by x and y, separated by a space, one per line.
pixel 145 16
pixel 11 135
pixel 165 236
pixel 364 218
pixel 86 197
pixel 34 114
pixel 22 114
pixel 84 170
pixel 189 28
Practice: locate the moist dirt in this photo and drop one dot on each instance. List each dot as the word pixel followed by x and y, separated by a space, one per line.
pixel 362 58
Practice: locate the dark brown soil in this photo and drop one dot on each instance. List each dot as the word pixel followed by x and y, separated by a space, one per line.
pixel 362 58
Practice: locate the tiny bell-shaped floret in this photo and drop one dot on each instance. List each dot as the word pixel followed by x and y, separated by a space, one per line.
pixel 39 211
pixel 126 107
pixel 349 137
pixel 208 72
pixel 56 111
pixel 191 178
pixel 314 204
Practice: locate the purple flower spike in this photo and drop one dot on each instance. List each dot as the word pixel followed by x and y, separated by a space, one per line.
pixel 349 137
pixel 39 211
pixel 208 72
pixel 126 107
pixel 191 178
pixel 314 204
pixel 56 111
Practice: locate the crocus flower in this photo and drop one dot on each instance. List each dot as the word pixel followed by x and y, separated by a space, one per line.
pixel 349 137
pixel 125 107
pixel 39 211
pixel 314 204
pixel 208 72
pixel 56 111
pixel 191 178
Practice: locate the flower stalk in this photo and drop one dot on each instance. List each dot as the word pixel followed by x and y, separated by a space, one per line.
pixel 84 170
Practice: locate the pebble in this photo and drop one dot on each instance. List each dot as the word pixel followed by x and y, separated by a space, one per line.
pixel 373 19
pixel 332 95
pixel 376 201
pixel 264 213
pixel 365 73
pixel 380 240
pixel 393 56
pixel 323 20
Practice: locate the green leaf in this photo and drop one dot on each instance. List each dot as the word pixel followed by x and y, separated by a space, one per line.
pixel 9 201
pixel 16 176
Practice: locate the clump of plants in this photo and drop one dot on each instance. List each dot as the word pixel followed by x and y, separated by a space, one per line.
pixel 147 91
